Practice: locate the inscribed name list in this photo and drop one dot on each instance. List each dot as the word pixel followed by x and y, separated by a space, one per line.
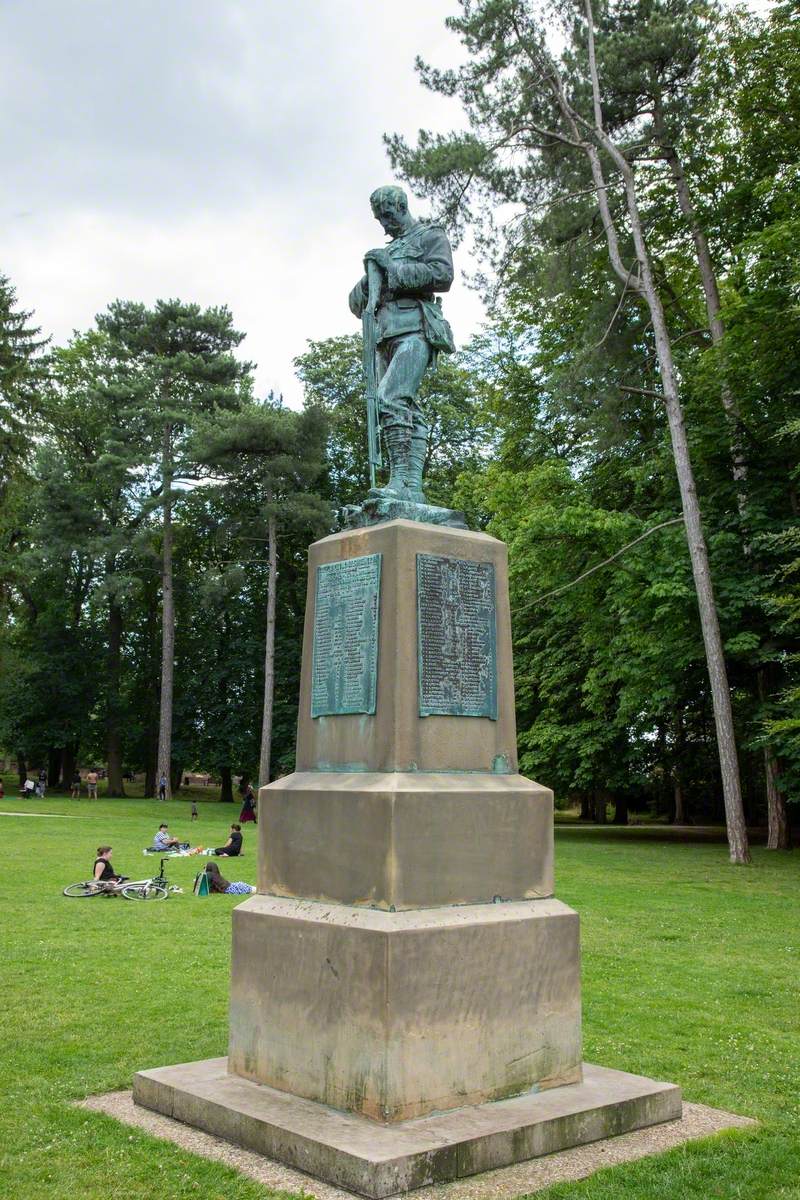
pixel 457 637
pixel 344 667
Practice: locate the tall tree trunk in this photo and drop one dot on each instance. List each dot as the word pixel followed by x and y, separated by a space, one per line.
pixel 679 815
pixel 151 702
pixel 269 655
pixel 167 620
pixel 778 832
pixel 54 756
pixel 116 784
pixel 586 807
pixel 226 786
pixel 68 760
pixel 22 769
pixel 620 810
pixel 698 552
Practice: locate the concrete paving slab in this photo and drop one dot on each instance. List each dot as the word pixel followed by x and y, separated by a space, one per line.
pixel 506 1183
pixel 376 1160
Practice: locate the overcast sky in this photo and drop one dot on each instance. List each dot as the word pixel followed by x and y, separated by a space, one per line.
pixel 220 151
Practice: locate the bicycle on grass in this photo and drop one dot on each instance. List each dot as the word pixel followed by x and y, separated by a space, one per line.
pixel 155 888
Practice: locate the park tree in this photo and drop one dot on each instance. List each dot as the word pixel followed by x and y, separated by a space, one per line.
pixel 178 362
pixel 96 502
pixel 536 123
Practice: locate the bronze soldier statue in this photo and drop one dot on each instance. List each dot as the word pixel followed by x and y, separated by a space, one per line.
pixel 399 292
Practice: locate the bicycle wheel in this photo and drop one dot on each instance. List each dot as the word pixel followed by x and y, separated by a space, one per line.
pixel 145 891
pixel 83 890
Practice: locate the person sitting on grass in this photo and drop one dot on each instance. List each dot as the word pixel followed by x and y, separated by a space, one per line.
pixel 233 846
pixel 103 871
pixel 162 840
pixel 216 883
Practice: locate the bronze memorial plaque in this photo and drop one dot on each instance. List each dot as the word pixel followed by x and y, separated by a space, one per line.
pixel 344 668
pixel 456 637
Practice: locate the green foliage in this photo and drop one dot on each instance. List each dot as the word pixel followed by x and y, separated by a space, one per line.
pixel 611 693
pixel 20 355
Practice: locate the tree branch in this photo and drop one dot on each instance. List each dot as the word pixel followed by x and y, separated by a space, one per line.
pixel 617 309
pixel 641 391
pixel 598 566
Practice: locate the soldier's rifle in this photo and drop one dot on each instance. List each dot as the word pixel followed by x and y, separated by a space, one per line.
pixel 370 368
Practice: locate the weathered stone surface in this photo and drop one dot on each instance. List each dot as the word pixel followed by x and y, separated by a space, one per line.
pixel 395 1015
pixel 395 738
pixel 406 840
pixel 382 1160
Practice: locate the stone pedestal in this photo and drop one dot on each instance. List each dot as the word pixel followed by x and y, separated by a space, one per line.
pixel 405 956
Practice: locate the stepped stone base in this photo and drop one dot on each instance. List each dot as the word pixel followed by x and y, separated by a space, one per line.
pixel 381 1160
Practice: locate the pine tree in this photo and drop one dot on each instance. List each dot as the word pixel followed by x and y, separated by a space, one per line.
pixel 180 364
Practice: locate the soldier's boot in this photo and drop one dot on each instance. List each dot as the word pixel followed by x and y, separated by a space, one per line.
pixel 397 439
pixel 418 450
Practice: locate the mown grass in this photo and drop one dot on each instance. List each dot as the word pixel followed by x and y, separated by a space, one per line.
pixel 690 974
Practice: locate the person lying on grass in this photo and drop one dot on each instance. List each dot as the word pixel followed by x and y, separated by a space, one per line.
pixel 103 871
pixel 217 883
pixel 233 846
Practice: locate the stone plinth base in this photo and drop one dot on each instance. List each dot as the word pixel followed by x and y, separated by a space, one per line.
pixel 394 1015
pixel 382 1160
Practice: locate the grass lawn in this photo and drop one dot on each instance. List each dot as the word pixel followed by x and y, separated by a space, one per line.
pixel 690 971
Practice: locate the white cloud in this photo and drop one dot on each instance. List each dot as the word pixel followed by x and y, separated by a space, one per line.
pixel 222 152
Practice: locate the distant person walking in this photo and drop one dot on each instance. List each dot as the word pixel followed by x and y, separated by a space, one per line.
pixel 75 785
pixel 194 810
pixel 162 788
pixel 91 784
pixel 41 786
pixel 248 812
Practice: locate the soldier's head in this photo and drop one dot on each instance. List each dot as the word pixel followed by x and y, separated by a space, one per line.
pixel 390 207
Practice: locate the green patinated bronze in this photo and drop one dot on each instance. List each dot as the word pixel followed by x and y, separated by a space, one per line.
pixel 344 669
pixel 404 331
pixel 456 637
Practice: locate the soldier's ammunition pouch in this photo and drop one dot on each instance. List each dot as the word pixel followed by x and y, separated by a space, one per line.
pixel 437 329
